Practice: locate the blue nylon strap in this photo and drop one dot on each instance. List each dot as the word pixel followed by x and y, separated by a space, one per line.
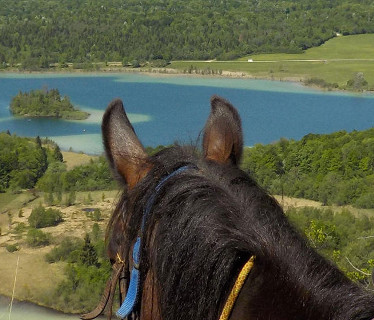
pixel 133 292
pixel 136 252
pixel 131 296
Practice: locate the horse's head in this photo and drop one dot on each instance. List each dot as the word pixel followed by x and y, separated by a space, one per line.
pixel 141 174
pixel 222 144
pixel 189 220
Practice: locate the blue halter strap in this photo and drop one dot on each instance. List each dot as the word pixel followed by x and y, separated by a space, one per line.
pixel 132 295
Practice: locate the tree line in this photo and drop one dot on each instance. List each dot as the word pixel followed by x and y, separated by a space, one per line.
pixel 335 168
pixel 37 34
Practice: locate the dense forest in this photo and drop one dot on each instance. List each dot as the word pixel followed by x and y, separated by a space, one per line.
pixel 45 103
pixel 333 168
pixel 37 33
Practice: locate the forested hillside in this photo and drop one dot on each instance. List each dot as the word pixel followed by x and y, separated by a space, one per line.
pixel 336 168
pixel 39 32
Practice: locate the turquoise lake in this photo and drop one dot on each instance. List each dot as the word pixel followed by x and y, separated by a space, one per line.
pixel 164 109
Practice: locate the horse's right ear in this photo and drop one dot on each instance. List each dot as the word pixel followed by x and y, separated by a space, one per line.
pixel 223 136
pixel 123 148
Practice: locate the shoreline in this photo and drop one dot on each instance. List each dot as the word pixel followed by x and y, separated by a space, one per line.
pixel 4 298
pixel 171 72
pixel 36 310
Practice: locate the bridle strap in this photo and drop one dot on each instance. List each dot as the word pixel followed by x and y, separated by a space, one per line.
pixel 132 295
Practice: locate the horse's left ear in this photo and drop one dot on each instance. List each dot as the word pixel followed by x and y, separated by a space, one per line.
pixel 223 137
pixel 123 148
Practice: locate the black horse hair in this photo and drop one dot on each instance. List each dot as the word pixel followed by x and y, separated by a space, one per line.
pixel 205 223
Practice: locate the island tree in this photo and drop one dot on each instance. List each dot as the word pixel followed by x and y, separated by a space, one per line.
pixel 45 103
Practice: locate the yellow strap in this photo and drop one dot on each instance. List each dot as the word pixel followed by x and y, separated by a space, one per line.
pixel 236 289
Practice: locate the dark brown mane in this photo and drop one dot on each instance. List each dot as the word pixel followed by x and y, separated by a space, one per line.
pixel 204 225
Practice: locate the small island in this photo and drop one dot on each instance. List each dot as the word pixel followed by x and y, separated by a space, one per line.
pixel 45 103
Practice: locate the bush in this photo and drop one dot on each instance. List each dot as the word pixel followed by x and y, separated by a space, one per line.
pixel 40 217
pixel 96 216
pixel 321 83
pixel 159 63
pixel 358 82
pixel 135 64
pixel 66 251
pixel 12 247
pixel 366 201
pixel 19 228
pixel 37 238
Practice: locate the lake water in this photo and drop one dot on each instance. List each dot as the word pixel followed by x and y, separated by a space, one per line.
pixel 165 109
pixel 29 311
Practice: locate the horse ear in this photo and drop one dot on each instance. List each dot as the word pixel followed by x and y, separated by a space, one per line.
pixel 123 148
pixel 223 137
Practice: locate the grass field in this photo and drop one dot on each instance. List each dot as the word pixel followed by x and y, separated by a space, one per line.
pixel 73 159
pixel 348 47
pixel 9 200
pixel 336 61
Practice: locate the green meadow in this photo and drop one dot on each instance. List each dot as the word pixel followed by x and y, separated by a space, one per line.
pixel 336 61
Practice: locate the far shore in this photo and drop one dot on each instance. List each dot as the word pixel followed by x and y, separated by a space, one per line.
pixel 165 72
pixel 115 69
pixel 157 72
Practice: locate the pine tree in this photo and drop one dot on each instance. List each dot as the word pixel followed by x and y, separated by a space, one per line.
pixel 88 254
pixel 57 155
pixel 38 141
